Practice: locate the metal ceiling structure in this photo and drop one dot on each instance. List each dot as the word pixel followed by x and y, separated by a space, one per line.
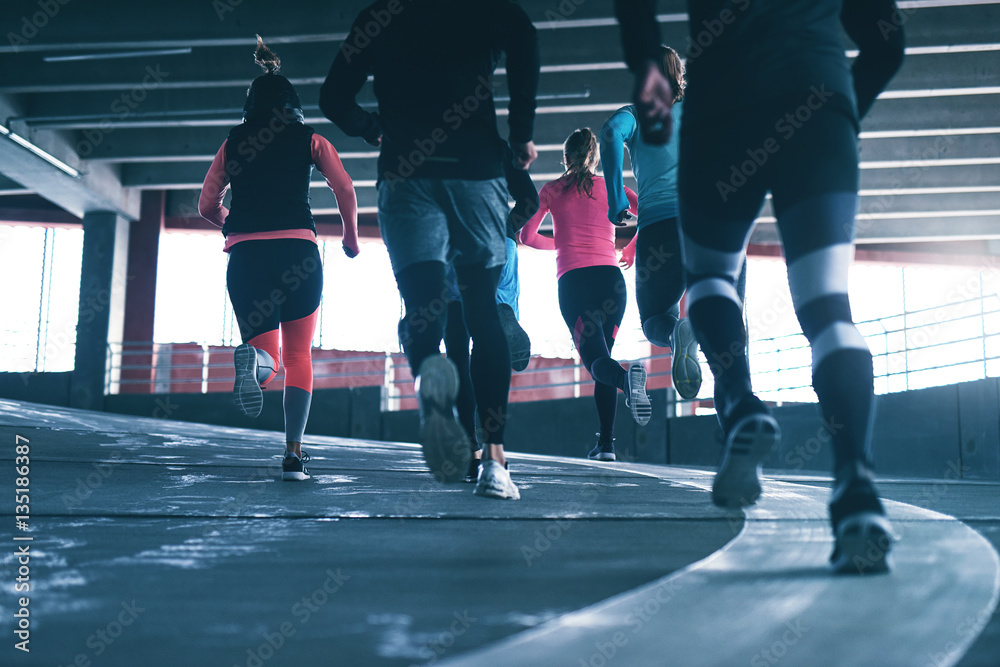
pixel 137 96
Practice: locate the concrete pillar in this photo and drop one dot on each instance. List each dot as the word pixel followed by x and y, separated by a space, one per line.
pixel 102 305
pixel 140 294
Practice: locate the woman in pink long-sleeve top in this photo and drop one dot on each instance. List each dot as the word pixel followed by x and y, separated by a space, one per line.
pixel 591 287
pixel 275 276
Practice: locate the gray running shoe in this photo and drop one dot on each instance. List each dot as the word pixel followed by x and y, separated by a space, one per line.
pixel 247 393
pixel 685 371
pixel 636 398
pixel 444 441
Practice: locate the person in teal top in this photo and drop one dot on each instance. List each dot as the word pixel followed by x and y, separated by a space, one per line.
pixel 659 276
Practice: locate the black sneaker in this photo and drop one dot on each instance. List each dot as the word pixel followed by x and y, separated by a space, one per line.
pixel 444 441
pixel 751 434
pixel 602 451
pixel 862 532
pixel 292 469
pixel 517 338
pixel 472 476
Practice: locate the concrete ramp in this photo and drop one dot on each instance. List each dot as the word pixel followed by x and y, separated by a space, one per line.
pixel 768 597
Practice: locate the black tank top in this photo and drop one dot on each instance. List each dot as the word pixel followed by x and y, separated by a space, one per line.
pixel 269 166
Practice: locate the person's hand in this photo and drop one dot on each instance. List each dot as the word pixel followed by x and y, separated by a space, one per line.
pixel 654 99
pixel 524 154
pixel 351 247
pixel 621 220
pixel 374 138
pixel 627 258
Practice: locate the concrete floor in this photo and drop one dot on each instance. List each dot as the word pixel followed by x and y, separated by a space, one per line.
pixel 165 543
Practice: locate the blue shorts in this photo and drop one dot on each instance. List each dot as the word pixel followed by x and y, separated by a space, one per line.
pixel 443 220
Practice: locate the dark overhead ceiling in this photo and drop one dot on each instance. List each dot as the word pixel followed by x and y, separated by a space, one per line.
pixel 930 148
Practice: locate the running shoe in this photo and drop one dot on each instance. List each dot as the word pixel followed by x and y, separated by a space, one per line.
pixel 444 441
pixel 602 451
pixel 636 398
pixel 863 536
pixel 685 369
pixel 473 475
pixel 494 482
pixel 517 338
pixel 754 432
pixel 246 391
pixel 292 469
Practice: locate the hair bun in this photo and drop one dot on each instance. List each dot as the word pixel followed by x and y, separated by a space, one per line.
pixel 266 58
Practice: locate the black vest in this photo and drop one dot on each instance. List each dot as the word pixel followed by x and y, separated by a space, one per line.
pixel 269 166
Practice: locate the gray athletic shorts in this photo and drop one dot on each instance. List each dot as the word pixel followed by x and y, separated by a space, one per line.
pixel 443 220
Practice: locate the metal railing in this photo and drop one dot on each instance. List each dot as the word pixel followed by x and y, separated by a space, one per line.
pixel 918 348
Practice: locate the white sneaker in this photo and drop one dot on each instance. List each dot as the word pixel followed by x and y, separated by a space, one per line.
pixel 494 482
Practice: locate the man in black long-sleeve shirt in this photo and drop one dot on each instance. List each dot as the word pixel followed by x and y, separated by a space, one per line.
pixel 441 191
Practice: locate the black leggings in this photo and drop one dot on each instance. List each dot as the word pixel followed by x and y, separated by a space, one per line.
pixel 273 281
pixel 592 301
pixel 422 286
pixel 456 345
pixel 659 279
pixel 803 149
